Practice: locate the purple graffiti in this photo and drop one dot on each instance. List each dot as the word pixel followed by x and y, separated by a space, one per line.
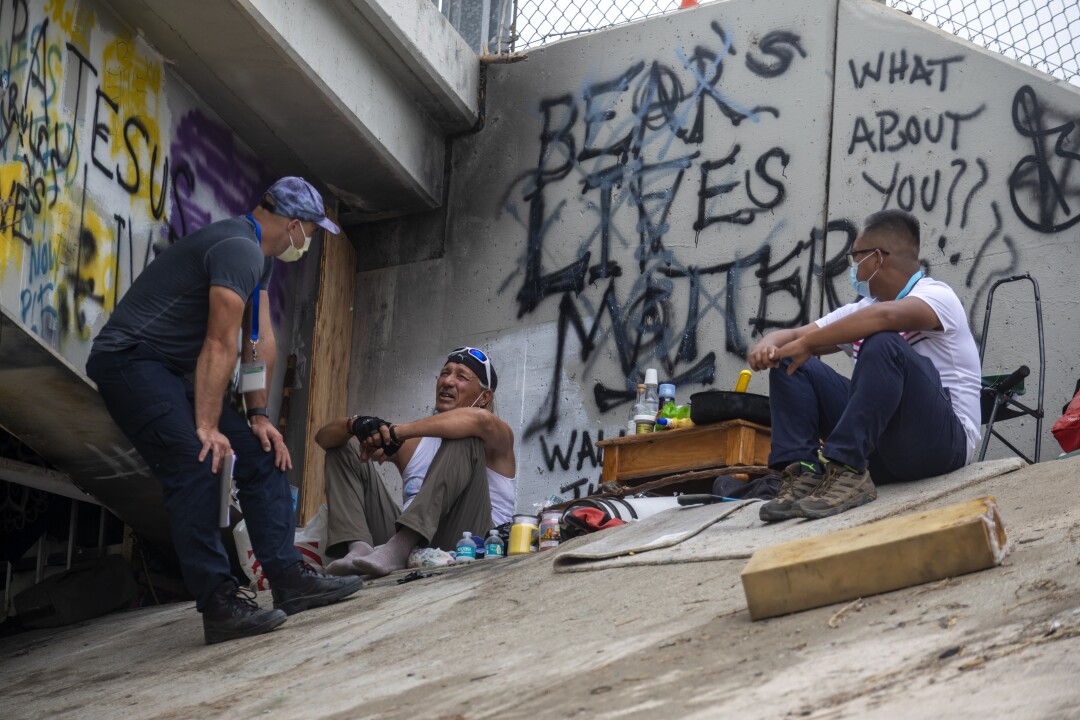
pixel 208 163
pixel 214 177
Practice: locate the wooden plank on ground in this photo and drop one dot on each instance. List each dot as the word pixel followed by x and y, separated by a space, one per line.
pixel 874 558
pixel 330 359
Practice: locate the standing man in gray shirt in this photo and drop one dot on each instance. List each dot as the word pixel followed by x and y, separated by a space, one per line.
pixel 180 320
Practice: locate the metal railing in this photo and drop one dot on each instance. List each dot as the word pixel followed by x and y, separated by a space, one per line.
pixel 1044 34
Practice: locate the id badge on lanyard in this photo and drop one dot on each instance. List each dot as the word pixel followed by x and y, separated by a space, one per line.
pixel 253 374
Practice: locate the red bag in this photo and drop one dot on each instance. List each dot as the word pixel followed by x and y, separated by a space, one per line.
pixel 1067 427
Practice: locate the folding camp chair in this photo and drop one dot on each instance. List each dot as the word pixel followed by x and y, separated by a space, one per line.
pixel 1000 392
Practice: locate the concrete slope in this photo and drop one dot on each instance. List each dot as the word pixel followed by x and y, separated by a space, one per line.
pixel 511 638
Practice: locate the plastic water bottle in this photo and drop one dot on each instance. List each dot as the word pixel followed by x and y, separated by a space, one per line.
pixel 635 410
pixel 466 548
pixel 667 394
pixel 496 548
pixel 667 405
pixel 651 403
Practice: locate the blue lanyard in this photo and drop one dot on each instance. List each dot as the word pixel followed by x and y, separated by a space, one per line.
pixel 255 297
pixel 911 283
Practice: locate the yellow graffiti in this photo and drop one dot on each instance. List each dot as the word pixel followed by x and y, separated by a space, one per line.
pixel 136 83
pixel 86 284
pixel 73 17
pixel 12 175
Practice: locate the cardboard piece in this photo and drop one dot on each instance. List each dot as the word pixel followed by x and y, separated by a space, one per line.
pixel 874 558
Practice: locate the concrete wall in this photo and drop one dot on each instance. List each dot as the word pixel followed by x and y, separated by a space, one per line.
pixel 985 152
pixel 105 159
pixel 660 194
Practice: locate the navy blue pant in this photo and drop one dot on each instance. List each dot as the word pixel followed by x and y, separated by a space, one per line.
pixel 893 416
pixel 153 404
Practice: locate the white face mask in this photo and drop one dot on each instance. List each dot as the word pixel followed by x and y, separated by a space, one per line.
pixel 293 253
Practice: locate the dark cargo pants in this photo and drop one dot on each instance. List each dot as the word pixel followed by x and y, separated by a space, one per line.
pixel 153 404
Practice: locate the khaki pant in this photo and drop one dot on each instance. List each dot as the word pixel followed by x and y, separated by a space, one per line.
pixel 454 498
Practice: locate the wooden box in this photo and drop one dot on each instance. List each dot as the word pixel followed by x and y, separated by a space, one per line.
pixel 641 457
pixel 874 558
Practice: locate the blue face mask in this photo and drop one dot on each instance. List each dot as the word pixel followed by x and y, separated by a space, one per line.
pixel 861 287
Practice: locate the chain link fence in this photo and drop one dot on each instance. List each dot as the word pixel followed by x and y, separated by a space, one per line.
pixel 1044 34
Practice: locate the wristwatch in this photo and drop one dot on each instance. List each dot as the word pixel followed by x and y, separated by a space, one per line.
pixel 252 412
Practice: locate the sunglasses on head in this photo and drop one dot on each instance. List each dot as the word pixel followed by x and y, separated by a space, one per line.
pixel 480 357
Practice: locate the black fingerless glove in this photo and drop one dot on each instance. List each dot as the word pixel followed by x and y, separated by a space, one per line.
pixel 364 426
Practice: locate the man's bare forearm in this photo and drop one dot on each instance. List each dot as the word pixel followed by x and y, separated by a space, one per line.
pixel 212 372
pixel 334 433
pixel 779 338
pixel 457 424
pixel 267 349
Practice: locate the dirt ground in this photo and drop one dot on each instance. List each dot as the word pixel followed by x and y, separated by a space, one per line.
pixel 511 638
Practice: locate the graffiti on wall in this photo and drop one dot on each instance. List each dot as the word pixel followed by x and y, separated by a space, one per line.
pixel 936 163
pixel 683 178
pixel 95 177
pixel 668 219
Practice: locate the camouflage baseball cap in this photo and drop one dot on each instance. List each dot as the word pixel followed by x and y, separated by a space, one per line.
pixel 294 197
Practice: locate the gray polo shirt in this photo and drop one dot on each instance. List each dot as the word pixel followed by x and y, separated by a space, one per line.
pixel 168 305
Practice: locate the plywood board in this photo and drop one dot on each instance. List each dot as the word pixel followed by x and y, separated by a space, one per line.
pixel 874 558
pixel 330 359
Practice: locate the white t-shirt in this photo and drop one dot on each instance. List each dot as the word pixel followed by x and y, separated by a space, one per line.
pixel 500 488
pixel 952 350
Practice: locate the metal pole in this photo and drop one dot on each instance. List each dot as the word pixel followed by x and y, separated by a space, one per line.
pixel 101 531
pixel 73 522
pixel 485 27
pixel 8 575
pixel 39 571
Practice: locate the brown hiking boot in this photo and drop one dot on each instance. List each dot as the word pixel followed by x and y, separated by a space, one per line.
pixel 796 482
pixel 841 490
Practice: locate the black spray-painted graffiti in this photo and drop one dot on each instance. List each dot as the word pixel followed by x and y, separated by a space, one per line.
pixel 39 131
pixel 630 140
pixel 1043 183
pixel 1044 186
pixel 921 70
pixel 588 457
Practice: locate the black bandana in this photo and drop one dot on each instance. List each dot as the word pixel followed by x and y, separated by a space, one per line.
pixel 463 357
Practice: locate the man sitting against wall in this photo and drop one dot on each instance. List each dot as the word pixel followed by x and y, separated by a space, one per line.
pixel 457 467
pixel 911 408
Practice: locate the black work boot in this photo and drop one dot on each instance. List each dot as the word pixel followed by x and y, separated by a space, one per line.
pixel 231 613
pixel 299 588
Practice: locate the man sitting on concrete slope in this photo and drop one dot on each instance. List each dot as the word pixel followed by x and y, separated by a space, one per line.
pixel 457 468
pixel 911 409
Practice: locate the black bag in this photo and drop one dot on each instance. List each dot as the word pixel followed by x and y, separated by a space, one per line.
pixel 764 487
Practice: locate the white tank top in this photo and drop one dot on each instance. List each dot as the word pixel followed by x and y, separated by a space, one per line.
pixel 500 487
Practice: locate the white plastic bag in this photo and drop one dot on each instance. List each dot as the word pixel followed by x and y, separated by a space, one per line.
pixel 310 541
